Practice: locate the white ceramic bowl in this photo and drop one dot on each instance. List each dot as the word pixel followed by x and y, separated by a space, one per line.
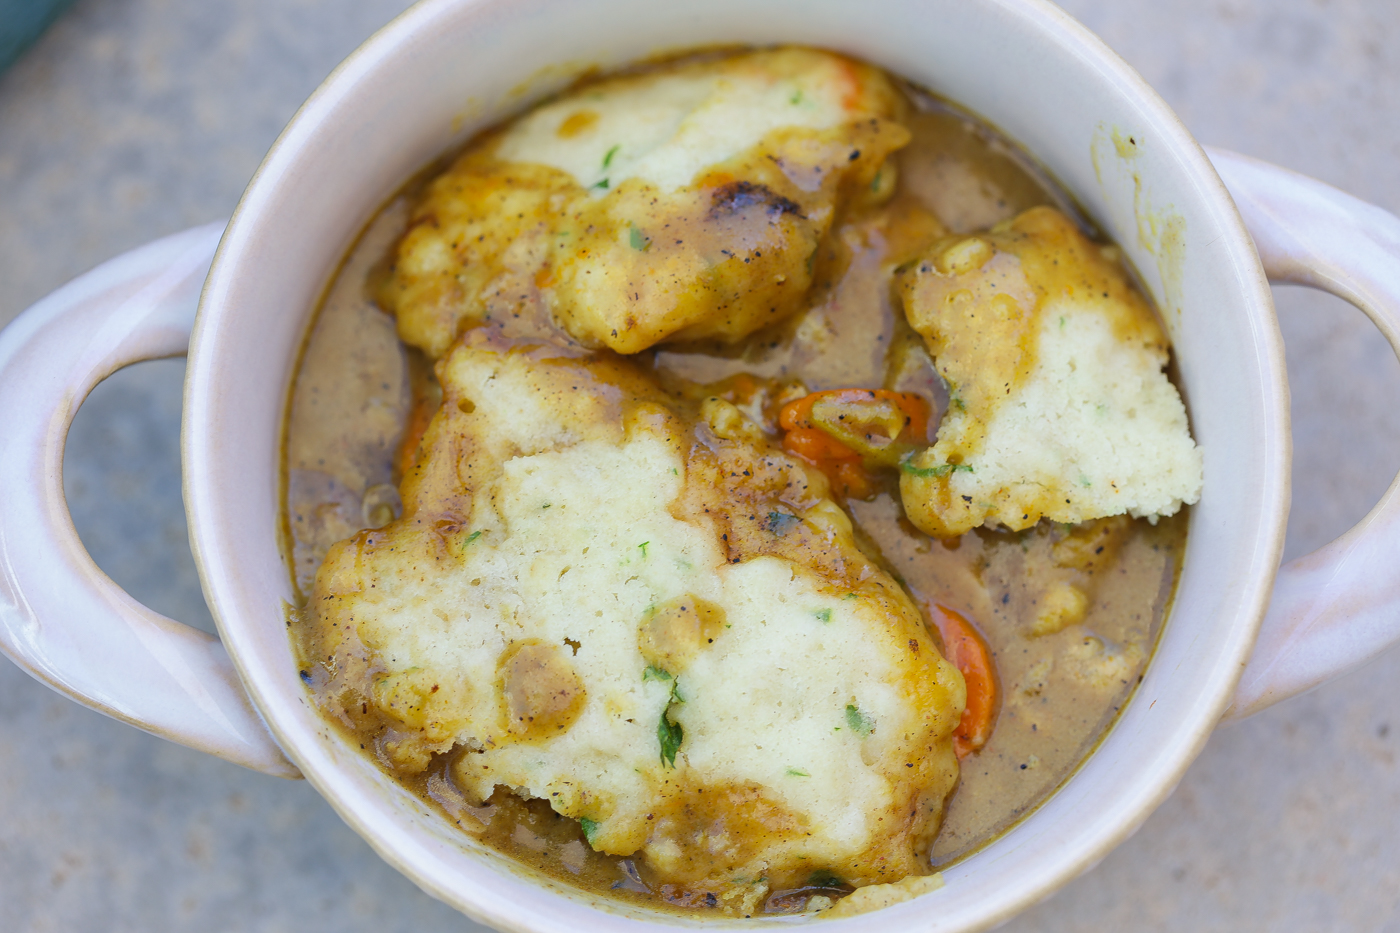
pixel 448 67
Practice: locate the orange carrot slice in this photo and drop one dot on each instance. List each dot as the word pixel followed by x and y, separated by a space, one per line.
pixel 798 413
pixel 968 653
pixel 816 445
pixel 843 432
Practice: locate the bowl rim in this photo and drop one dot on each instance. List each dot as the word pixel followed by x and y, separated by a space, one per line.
pixel 205 414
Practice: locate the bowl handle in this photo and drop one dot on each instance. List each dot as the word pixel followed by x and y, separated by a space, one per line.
pixel 61 618
pixel 1338 607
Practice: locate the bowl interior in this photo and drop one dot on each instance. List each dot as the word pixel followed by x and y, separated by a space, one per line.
pixel 448 67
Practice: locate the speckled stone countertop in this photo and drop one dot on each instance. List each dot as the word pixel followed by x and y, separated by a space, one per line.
pixel 132 119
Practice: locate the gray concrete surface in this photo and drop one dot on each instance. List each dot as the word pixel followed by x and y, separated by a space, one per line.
pixel 136 118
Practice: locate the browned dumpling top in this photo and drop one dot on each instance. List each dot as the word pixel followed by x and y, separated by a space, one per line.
pixel 682 203
pixel 657 622
pixel 1059 406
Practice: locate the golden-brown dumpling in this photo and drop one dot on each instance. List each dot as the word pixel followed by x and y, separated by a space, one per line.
pixel 663 627
pixel 685 202
pixel 1058 404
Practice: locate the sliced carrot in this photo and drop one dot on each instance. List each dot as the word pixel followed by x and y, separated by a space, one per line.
pixel 826 444
pixel 968 653
pixel 798 413
pixel 851 480
pixel 851 91
pixel 851 413
pixel 816 445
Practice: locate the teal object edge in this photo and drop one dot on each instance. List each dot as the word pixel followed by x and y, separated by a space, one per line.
pixel 22 22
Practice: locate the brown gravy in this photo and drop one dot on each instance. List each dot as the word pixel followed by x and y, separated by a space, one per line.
pixel 1057 693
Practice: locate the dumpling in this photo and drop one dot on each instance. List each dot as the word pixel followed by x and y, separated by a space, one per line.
pixel 1058 404
pixel 681 203
pixel 649 617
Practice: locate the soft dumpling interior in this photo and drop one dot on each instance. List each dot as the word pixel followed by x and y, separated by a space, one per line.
pixel 682 203
pixel 1058 404
pixel 662 626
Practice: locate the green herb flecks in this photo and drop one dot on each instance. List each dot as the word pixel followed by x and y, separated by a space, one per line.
pixel 668 733
pixel 470 538
pixel 780 523
pixel 639 241
pixel 858 722
pixel 796 97
pixel 607 159
pixel 797 772
pixel 670 736
pixel 590 828
pixel 943 469
pixel 823 615
pixel 601 184
pixel 643 547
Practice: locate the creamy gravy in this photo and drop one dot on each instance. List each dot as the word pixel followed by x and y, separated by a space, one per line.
pixel 358 387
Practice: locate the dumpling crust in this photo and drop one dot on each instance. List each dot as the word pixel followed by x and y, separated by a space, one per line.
pixel 660 624
pixel 1058 404
pixel 684 203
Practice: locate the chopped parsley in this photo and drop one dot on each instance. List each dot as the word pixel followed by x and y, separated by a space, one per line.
pixel 824 879
pixel 602 184
pixel 638 240
pixel 797 772
pixel 643 546
pixel 943 469
pixel 471 537
pixel 590 828
pixel 823 615
pixel 859 723
pixel 668 733
pixel 670 736
pixel 607 159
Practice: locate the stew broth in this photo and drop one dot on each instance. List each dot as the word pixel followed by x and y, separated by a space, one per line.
pixel 358 387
